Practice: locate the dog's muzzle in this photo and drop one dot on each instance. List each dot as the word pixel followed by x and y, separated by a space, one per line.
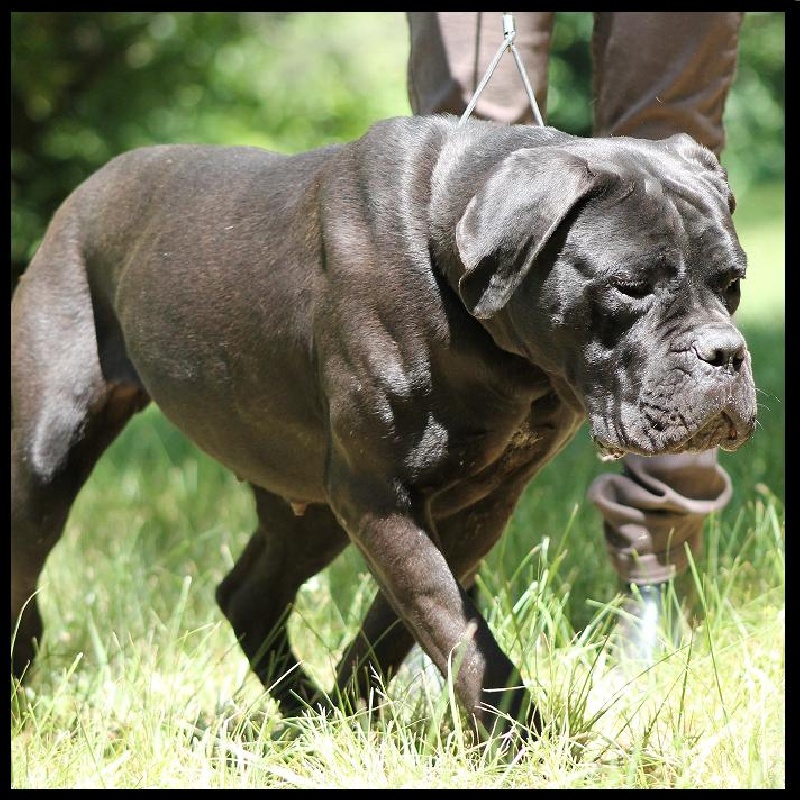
pixel 689 400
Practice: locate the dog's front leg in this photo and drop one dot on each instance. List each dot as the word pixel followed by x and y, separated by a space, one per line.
pixel 421 588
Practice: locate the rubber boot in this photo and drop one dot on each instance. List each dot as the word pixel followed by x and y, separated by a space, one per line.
pixel 654 515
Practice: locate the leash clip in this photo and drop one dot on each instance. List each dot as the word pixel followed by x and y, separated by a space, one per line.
pixel 509 33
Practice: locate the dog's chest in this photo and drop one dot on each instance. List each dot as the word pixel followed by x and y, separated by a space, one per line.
pixel 479 465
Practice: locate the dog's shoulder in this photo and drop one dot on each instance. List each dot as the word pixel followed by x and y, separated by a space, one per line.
pixel 443 132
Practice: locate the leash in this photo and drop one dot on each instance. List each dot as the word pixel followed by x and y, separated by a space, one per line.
pixel 509 32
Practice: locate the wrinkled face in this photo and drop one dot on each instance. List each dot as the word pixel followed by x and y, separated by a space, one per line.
pixel 633 307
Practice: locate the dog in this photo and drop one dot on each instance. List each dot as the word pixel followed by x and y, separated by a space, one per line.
pixel 386 339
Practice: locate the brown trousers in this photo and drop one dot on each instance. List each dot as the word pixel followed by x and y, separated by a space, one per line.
pixel 654 74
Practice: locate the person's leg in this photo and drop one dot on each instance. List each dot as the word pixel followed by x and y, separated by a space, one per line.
pixel 451 50
pixel 656 509
pixel 656 74
pixel 653 519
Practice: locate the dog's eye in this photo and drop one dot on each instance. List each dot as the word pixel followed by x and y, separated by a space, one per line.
pixel 729 285
pixel 733 286
pixel 631 288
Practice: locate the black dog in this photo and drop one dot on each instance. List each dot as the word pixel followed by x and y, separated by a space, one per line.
pixel 386 339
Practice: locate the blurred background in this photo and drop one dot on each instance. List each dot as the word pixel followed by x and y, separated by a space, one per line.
pixel 87 85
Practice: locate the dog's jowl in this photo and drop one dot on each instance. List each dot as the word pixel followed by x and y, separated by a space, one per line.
pixel 387 340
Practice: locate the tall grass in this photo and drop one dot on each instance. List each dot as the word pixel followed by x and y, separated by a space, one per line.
pixel 141 684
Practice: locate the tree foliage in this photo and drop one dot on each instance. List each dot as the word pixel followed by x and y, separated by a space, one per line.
pixel 88 85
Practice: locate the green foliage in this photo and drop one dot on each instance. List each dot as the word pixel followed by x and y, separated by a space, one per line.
pixel 569 101
pixel 88 85
pixel 755 113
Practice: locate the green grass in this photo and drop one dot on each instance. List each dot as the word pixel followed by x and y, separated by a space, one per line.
pixel 141 684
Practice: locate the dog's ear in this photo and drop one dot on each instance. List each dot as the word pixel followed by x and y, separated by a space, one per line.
pixel 511 218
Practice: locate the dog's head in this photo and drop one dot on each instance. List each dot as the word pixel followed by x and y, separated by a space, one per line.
pixel 617 267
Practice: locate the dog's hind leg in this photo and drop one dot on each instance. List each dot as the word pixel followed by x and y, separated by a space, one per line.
pixel 375 653
pixel 66 408
pixel 257 595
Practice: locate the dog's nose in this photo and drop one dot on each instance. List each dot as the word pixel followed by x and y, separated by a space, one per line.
pixel 721 347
